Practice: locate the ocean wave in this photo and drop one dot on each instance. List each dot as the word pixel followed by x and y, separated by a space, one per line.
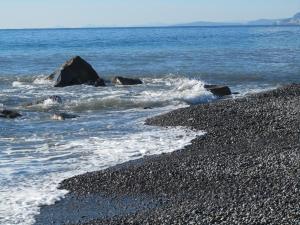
pixel 42 80
pixel 155 92
pixel 38 153
pixel 19 84
pixel 46 165
pixel 158 92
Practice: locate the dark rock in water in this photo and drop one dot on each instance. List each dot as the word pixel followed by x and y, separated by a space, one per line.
pixel 218 90
pixel 63 116
pixel 98 83
pixel 9 114
pixel 126 81
pixel 148 107
pixel 54 98
pixel 74 72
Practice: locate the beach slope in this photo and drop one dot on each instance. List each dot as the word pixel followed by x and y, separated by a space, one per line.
pixel 245 170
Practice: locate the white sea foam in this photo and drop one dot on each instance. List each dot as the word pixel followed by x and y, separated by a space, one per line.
pixel 34 159
pixel 180 89
pixel 19 203
pixel 48 103
pixel 42 80
pixel 158 92
pixel 20 84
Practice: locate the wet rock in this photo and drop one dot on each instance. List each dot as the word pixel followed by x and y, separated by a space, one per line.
pixel 218 90
pixel 53 98
pixel 10 114
pixel 126 81
pixel 63 116
pixel 76 71
pixel 98 83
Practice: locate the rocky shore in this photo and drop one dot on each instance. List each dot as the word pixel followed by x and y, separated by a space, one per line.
pixel 245 170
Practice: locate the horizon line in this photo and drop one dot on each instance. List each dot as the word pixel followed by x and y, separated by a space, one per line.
pixel 162 26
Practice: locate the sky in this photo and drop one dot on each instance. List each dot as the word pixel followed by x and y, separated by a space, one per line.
pixel 80 13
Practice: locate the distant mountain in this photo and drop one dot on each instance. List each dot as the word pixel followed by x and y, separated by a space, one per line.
pixel 205 23
pixel 263 22
pixel 291 21
pixel 295 20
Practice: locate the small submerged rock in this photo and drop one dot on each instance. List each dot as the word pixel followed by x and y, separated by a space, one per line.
pixel 63 116
pixel 9 114
pixel 54 99
pixel 126 81
pixel 218 90
pixel 76 71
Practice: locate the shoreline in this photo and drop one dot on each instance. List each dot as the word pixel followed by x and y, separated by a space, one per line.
pixel 243 171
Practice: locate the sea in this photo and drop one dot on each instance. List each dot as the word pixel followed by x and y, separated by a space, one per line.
pixel 174 63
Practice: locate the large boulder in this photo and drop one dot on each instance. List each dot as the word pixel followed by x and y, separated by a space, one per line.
pixel 74 72
pixel 218 90
pixel 126 81
pixel 10 114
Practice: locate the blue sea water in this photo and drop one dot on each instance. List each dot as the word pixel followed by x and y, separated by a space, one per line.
pixel 36 152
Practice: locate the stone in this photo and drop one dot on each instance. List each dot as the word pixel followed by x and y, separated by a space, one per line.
pixel 53 98
pixel 10 114
pixel 126 81
pixel 76 71
pixel 63 116
pixel 98 83
pixel 218 90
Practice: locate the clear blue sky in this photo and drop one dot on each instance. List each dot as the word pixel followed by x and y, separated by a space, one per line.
pixel 77 13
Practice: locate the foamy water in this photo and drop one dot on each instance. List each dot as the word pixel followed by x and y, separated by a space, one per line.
pixel 37 153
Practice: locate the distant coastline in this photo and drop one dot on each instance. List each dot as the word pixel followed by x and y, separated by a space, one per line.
pixel 293 21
